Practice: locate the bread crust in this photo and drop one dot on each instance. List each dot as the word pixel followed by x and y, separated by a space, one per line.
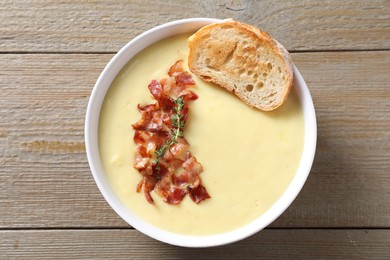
pixel 225 75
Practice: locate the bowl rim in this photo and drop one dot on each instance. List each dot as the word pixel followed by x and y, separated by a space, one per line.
pixel 92 150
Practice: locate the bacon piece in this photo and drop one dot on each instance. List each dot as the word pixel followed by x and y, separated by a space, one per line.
pixel 191 164
pixel 163 186
pixel 149 170
pixel 150 120
pixel 180 149
pixel 184 79
pixel 158 139
pixel 140 136
pixel 176 68
pixel 149 181
pixel 155 89
pixel 141 157
pixel 155 130
pixel 190 176
pixel 173 163
pixel 180 180
pixel 146 146
pixel 178 91
pixel 190 96
pixel 199 194
pixel 167 120
pixel 140 185
pixel 164 100
pixel 176 196
pixel 141 163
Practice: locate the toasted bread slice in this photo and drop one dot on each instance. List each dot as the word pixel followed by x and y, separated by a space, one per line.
pixel 244 60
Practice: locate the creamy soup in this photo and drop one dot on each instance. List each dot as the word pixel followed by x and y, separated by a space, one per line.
pixel 249 157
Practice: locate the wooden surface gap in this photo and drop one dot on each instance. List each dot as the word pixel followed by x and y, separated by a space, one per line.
pixel 59 52
pixel 338 50
pixel 114 52
pixel 131 228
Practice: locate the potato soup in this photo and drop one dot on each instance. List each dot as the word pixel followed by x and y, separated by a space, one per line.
pixel 249 157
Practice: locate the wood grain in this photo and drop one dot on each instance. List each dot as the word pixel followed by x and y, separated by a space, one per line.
pixel 51 53
pixel 43 164
pixel 46 181
pixel 130 244
pixel 105 26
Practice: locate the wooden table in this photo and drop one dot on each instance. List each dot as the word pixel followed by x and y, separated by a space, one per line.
pixel 51 54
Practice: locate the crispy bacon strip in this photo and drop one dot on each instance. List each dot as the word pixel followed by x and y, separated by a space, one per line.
pixel 176 196
pixel 177 172
pixel 184 79
pixel 176 68
pixel 199 194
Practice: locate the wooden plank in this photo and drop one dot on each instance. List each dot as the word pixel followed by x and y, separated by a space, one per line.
pixel 101 26
pixel 44 171
pixel 130 244
pixel 46 182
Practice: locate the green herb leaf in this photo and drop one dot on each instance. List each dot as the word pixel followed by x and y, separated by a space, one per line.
pixel 178 123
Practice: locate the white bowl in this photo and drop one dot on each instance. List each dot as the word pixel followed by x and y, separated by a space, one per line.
pixel 91 141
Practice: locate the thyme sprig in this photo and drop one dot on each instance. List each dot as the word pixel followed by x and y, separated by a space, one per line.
pixel 178 123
